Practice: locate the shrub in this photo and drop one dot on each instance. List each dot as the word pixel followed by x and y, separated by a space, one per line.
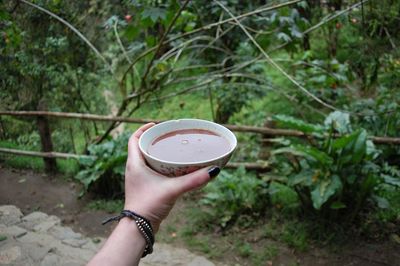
pixel 337 173
pixel 104 172
pixel 233 194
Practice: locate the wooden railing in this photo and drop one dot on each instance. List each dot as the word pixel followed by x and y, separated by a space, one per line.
pixel 265 131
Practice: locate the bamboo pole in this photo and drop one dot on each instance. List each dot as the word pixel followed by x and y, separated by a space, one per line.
pixel 44 154
pixel 79 116
pixel 249 129
pixel 61 155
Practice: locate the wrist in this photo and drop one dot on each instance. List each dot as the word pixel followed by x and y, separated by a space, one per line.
pixel 142 212
pixel 129 227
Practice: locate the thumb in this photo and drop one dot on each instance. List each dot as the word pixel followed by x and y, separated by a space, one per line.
pixel 194 180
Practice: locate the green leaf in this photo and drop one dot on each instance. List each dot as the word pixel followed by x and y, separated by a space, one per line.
pixel 338 205
pixel 154 13
pixel 360 146
pixel 351 179
pixel 302 178
pixel 372 152
pixel 324 190
pixel 391 180
pixel 344 141
pixel 87 161
pixel 294 31
pixel 381 202
pixel 284 37
pixel 131 32
pixel 150 40
pixel 294 123
pixel 352 148
pixel 309 152
pixel 88 176
pixel 340 122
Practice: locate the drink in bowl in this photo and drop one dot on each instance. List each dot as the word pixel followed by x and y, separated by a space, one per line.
pixel 179 147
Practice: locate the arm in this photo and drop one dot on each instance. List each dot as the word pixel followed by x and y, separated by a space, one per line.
pixel 149 194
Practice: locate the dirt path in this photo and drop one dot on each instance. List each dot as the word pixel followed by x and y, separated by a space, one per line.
pixel 31 191
pixel 29 236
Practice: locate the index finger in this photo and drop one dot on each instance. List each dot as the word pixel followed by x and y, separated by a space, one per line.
pixel 133 147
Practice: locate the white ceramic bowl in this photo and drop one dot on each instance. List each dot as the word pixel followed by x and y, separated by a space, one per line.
pixel 177 169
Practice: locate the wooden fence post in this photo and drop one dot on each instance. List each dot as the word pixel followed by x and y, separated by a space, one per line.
pixel 50 164
pixel 266 147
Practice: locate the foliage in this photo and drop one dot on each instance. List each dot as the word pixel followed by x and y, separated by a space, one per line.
pixel 234 194
pixel 104 172
pixel 334 175
pixel 207 68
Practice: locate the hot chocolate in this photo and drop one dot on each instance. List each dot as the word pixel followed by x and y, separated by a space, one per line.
pixel 189 145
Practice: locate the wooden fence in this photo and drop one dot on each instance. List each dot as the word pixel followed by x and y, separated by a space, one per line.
pixel 265 131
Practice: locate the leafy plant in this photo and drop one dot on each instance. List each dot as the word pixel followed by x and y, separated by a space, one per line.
pixel 233 194
pixel 104 171
pixel 337 172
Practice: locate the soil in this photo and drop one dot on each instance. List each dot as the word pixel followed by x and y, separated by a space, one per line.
pixel 31 191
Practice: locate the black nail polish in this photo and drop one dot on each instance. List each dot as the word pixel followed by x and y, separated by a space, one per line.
pixel 214 171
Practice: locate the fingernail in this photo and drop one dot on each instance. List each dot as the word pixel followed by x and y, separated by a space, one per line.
pixel 214 171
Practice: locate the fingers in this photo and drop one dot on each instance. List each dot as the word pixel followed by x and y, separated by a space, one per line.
pixel 142 129
pixel 133 147
pixel 193 180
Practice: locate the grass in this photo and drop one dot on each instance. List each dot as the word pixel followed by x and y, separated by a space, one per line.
pixel 68 167
pixel 15 161
pixel 110 206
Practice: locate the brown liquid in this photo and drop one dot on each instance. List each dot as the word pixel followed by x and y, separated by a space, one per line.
pixel 189 145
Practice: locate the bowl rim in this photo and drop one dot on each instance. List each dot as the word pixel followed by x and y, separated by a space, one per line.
pixel 146 154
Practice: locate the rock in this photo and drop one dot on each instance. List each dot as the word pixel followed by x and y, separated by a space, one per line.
pixel 51 259
pixel 167 255
pixel 69 252
pixel 39 239
pixel 10 255
pixel 62 233
pixel 33 219
pixel 76 243
pixel 72 263
pixel 10 215
pixel 13 231
pixel 200 261
pixel 35 251
pixel 43 240
pixel 47 224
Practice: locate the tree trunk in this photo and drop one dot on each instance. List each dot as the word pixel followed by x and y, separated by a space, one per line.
pixel 50 164
pixel 2 130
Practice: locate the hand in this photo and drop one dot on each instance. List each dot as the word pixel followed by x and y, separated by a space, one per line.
pixel 151 194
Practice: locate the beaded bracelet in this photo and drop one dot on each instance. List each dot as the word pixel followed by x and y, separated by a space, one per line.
pixel 142 223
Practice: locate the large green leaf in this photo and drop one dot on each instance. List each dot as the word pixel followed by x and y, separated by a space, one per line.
pixel 344 141
pixel 391 180
pixel 352 148
pixel 360 146
pixel 154 13
pixel 309 152
pixel 324 190
pixel 381 202
pixel 298 124
pixel 302 178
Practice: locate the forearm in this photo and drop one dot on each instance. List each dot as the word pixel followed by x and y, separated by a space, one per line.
pixel 125 246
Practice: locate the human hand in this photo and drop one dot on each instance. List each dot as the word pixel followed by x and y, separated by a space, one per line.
pixel 151 194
